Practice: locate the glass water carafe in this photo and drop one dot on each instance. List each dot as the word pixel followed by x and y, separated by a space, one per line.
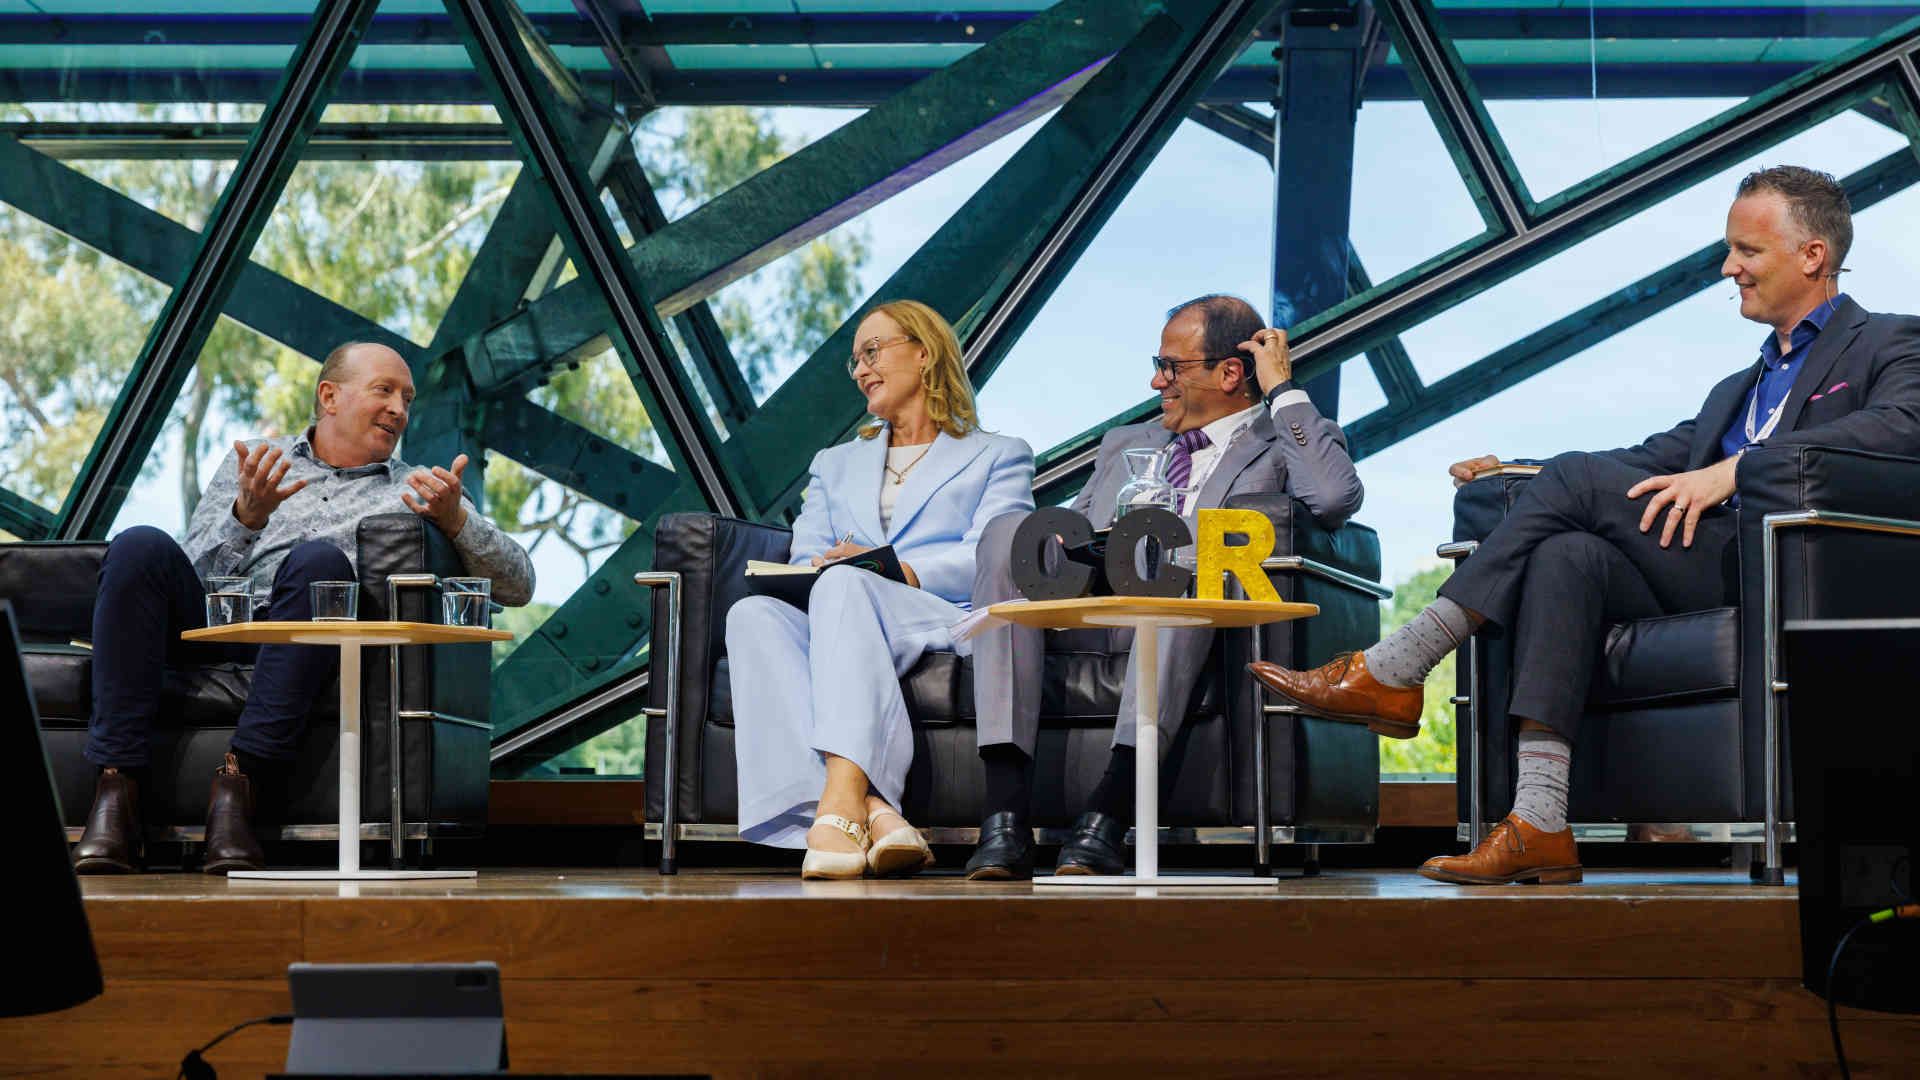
pixel 1147 484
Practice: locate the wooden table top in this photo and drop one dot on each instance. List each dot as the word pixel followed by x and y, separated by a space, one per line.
pixel 352 632
pixel 1095 611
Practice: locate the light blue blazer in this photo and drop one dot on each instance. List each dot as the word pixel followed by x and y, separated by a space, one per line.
pixel 947 500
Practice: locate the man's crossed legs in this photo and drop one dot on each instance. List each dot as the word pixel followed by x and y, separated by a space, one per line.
pixel 1569 560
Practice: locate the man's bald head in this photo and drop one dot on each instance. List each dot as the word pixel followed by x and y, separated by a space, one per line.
pixel 341 363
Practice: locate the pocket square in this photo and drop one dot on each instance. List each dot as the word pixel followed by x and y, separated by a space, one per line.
pixel 1831 389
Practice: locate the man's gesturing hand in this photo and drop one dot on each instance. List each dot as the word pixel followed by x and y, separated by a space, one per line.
pixel 1463 470
pixel 1271 360
pixel 439 491
pixel 1683 497
pixel 261 470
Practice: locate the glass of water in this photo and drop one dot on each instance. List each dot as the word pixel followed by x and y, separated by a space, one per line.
pixel 229 600
pixel 335 601
pixel 466 601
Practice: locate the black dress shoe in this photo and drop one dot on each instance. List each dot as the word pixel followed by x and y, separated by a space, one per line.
pixel 1098 846
pixel 112 841
pixel 231 844
pixel 1005 850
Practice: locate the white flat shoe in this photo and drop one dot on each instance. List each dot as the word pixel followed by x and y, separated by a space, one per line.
pixel 837 865
pixel 899 853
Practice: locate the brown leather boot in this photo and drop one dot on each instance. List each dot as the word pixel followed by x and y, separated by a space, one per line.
pixel 1512 851
pixel 1343 689
pixel 231 844
pixel 113 843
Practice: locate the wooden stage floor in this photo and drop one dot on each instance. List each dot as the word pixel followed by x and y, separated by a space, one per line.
pixel 757 973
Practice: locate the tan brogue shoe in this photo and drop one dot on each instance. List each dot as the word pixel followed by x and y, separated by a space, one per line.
pixel 1343 689
pixel 1513 851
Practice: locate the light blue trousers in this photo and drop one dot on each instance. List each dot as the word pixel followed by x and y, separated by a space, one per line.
pixel 825 681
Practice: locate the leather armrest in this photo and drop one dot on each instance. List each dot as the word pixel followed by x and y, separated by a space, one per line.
pixel 1479 506
pixel 1773 479
pixel 710 553
pixel 1353 547
pixel 52 585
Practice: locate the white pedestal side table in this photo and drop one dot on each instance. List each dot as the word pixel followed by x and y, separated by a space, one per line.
pixel 348 637
pixel 1146 615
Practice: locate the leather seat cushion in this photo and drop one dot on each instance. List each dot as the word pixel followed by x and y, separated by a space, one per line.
pixel 1670 659
pixel 207 696
pixel 1079 688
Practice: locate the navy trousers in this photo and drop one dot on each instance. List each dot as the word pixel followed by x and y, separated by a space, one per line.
pixel 1568 561
pixel 149 594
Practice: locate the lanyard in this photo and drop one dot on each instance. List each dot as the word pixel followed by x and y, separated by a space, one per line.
pixel 1753 410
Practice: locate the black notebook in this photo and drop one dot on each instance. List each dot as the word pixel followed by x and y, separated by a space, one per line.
pixel 793 583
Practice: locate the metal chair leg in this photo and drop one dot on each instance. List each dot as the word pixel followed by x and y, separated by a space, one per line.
pixel 1310 866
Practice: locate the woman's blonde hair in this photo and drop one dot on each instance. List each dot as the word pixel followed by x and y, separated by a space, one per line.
pixel 949 393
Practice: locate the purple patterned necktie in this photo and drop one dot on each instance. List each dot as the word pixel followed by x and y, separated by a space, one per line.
pixel 1180 462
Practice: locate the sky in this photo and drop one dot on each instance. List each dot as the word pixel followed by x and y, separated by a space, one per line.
pixel 1199 221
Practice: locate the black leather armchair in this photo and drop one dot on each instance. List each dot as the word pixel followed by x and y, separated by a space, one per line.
pixel 440 727
pixel 1687 727
pixel 1319 782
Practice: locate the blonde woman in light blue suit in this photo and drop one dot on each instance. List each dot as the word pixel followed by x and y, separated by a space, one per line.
pixel 820 727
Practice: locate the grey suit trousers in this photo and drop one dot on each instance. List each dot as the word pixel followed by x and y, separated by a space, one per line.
pixel 1007 658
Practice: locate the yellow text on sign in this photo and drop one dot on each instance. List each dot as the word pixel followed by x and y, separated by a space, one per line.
pixel 1216 558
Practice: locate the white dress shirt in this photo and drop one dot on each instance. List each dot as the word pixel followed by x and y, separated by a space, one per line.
pixel 1219 433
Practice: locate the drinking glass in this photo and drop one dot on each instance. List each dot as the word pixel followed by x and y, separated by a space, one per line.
pixel 466 601
pixel 229 600
pixel 335 601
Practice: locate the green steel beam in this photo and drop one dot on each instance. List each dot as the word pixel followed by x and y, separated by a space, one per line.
pixel 1239 124
pixel 23 517
pixel 1876 69
pixel 530 95
pixel 607 18
pixel 1441 79
pixel 985 268
pixel 576 457
pixel 194 141
pixel 194 305
pixel 1392 368
pixel 1583 329
pixel 161 248
pixel 936 121
pixel 707 348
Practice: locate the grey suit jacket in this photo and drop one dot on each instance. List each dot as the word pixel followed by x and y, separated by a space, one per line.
pixel 1309 461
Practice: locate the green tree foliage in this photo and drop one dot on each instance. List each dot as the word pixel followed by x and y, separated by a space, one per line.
pixel 1433 751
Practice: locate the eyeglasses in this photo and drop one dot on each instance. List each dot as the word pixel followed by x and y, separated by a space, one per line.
pixel 870 352
pixel 1170 367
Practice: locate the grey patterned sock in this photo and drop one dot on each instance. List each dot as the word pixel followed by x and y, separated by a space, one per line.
pixel 1541 799
pixel 1405 656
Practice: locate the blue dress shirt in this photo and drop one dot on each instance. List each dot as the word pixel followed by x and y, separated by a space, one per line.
pixel 1777 373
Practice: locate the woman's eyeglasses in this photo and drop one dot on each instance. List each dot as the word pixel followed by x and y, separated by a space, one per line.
pixel 870 352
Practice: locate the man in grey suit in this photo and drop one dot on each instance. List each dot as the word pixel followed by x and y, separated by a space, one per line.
pixel 1225 436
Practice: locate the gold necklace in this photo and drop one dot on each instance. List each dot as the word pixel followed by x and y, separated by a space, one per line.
pixel 900 475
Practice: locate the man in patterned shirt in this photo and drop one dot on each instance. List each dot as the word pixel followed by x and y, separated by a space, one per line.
pixel 284 512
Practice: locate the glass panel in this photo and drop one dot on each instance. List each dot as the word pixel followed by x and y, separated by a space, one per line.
pixel 104 143
pixel 1578 89
pixel 776 317
pixel 384 213
pixel 1628 251
pixel 77 322
pixel 693 154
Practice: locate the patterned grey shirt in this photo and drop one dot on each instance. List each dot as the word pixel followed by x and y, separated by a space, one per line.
pixel 329 508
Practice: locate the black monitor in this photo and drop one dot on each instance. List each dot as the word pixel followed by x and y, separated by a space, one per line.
pixel 1855 751
pixel 47 954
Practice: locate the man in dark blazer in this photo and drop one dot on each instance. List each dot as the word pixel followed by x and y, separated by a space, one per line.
pixel 1599 538
pixel 1225 436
